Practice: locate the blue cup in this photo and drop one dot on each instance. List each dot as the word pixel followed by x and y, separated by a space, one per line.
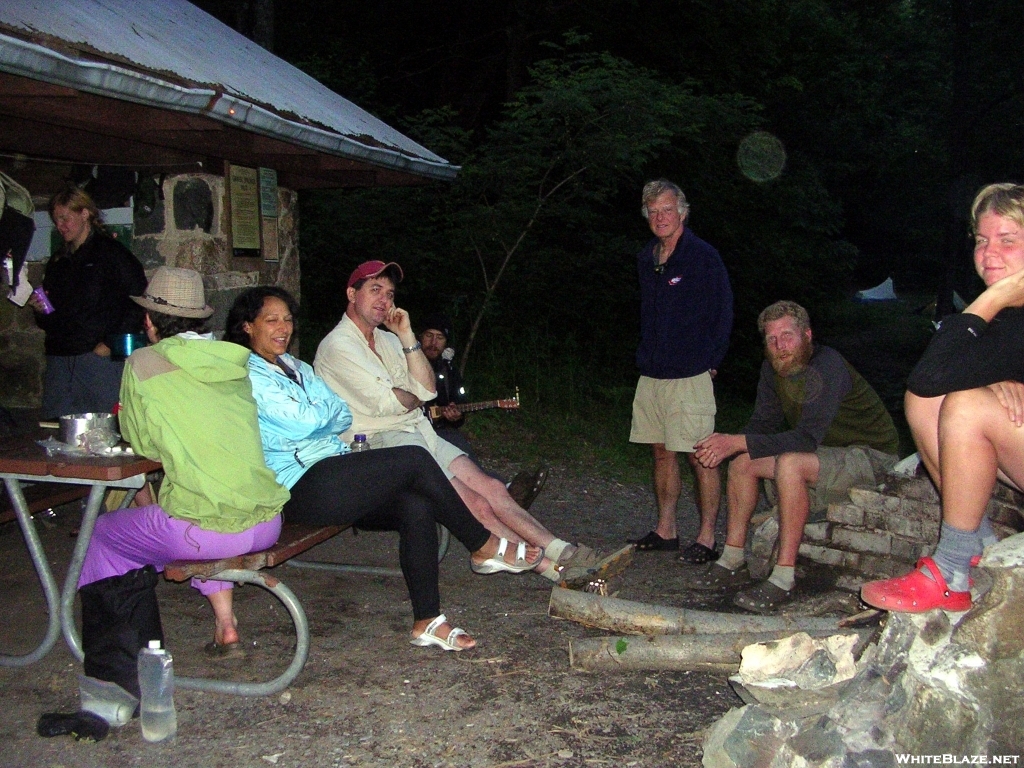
pixel 123 344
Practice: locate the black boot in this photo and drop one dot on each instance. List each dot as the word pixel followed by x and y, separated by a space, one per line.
pixel 120 615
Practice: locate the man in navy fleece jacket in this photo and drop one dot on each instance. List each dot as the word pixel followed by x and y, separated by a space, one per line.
pixel 685 321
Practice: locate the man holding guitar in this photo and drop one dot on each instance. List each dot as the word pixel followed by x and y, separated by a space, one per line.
pixel 443 412
pixel 385 378
pixel 448 412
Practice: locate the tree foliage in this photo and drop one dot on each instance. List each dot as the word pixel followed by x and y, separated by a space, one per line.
pixel 541 227
pixel 892 113
pixel 584 126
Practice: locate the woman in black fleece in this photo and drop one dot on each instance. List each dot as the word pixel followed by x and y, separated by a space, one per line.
pixel 965 406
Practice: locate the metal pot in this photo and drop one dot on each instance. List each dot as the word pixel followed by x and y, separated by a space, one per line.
pixel 74 425
pixel 123 344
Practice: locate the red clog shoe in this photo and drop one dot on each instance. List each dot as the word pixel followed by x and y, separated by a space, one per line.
pixel 915 592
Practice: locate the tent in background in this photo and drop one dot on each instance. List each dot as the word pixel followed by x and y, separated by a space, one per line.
pixel 881 292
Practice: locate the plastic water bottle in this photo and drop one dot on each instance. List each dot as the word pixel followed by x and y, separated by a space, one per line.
pixel 156 681
pixel 359 444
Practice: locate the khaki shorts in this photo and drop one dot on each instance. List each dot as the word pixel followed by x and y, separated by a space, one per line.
pixel 675 412
pixel 444 453
pixel 840 469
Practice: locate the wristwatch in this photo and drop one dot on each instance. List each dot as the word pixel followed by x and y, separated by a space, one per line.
pixel 413 348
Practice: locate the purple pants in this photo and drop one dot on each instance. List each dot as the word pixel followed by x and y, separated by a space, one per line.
pixel 133 538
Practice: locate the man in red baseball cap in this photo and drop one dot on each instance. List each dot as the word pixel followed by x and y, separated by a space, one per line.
pixel 370 269
pixel 385 378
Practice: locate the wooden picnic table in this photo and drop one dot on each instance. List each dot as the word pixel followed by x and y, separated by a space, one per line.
pixel 22 460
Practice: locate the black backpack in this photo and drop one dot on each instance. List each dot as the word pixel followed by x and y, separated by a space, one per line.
pixel 16 223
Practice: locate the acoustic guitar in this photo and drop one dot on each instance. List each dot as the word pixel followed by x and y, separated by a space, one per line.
pixel 434 411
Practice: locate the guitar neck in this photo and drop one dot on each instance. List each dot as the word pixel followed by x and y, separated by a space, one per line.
pixel 482 406
pixel 435 410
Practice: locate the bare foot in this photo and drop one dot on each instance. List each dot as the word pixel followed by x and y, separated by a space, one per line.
pixel 225 634
pixel 534 555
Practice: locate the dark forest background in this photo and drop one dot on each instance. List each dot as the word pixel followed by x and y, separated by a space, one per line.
pixel 891 116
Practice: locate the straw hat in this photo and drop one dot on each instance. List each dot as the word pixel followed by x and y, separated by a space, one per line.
pixel 177 292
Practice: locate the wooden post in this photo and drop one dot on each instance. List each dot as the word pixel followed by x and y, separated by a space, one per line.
pixel 703 652
pixel 633 618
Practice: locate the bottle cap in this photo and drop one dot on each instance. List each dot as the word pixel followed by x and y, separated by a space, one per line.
pixel 360 438
pixel 154 645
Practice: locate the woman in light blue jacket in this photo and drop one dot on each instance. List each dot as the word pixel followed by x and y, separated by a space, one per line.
pixel 400 489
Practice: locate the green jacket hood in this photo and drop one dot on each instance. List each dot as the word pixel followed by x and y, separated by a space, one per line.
pixel 208 361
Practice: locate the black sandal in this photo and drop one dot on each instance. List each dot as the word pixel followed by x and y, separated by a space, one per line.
pixel 525 486
pixel 698 554
pixel 84 726
pixel 652 542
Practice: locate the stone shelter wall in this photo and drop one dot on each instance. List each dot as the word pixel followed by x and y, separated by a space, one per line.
pixel 187 227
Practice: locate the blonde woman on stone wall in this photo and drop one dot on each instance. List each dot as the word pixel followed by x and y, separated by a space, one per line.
pixel 965 407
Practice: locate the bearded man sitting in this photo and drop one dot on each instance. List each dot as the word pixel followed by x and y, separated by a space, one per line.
pixel 818 428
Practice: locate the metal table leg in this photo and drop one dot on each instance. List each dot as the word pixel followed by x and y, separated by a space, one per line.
pixel 49 584
pixel 67 595
pixel 298 616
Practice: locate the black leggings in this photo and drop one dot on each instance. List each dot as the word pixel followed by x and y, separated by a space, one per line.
pixel 394 489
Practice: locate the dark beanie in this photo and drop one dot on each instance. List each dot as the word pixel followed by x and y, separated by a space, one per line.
pixel 438 322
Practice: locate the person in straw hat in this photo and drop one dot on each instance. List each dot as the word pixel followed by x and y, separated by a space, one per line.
pixel 186 402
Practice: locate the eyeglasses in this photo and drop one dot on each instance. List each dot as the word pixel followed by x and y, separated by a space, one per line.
pixel 668 210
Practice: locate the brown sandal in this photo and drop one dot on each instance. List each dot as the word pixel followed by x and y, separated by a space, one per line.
pixel 764 598
pixel 712 576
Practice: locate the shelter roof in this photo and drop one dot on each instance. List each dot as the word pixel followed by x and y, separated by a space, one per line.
pixel 165 85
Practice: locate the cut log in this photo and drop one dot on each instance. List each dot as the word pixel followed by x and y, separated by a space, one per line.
pixel 632 618
pixel 694 652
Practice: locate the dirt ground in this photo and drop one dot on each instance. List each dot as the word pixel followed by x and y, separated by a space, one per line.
pixel 366 696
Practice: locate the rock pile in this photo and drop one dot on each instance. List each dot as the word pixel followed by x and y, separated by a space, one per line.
pixel 935 684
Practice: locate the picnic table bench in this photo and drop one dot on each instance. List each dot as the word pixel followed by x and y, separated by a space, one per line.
pixel 249 569
pixel 42 496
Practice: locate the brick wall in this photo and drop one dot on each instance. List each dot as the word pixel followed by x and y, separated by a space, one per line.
pixel 882 531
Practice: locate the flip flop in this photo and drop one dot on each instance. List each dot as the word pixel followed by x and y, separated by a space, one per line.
pixel 698 554
pixel 428 638
pixel 763 598
pixel 218 652
pixel 652 542
pixel 497 564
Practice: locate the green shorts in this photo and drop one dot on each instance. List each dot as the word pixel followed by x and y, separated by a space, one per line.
pixel 840 469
